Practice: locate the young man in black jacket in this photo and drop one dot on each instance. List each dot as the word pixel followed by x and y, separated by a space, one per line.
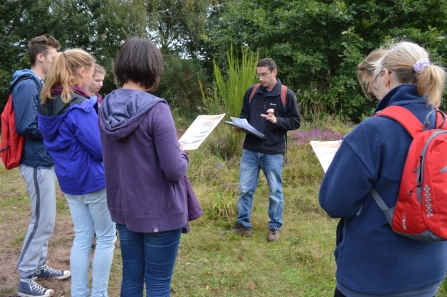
pixel 270 108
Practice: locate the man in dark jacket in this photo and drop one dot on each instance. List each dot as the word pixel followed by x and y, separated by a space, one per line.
pixel 272 113
pixel 36 168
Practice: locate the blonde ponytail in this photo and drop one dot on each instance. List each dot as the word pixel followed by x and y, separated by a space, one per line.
pixel 411 65
pixel 64 72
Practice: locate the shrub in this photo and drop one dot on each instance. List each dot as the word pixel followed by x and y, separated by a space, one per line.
pixel 179 85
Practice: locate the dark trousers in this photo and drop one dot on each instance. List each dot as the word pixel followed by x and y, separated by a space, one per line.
pixel 338 293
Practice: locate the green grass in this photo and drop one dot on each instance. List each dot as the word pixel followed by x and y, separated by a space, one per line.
pixel 213 261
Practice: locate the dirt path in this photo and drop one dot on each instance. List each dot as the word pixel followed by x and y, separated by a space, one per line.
pixel 58 257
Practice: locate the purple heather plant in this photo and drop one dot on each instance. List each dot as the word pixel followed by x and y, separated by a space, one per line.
pixel 300 137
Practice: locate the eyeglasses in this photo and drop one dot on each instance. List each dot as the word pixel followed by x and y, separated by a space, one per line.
pixel 374 81
pixel 263 75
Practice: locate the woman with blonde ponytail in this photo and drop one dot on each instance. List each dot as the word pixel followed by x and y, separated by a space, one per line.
pixel 68 122
pixel 408 64
pixel 371 259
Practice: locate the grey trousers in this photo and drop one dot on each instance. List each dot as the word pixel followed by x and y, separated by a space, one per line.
pixel 41 188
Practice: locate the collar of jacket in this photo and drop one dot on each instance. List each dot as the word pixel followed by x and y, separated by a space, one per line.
pixel 276 91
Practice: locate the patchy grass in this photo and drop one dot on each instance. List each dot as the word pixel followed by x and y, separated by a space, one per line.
pixel 212 260
pixel 15 212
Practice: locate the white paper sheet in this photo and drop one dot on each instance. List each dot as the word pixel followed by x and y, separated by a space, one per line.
pixel 199 130
pixel 325 151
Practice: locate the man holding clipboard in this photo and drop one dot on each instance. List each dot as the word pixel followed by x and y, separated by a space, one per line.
pixel 271 109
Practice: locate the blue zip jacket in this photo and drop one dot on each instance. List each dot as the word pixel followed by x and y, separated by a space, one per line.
pixel 71 135
pixel 25 98
pixel 370 258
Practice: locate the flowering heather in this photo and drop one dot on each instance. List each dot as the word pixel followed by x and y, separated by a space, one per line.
pixel 304 137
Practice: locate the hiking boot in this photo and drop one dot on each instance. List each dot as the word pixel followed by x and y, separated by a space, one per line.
pixel 241 230
pixel 47 271
pixel 29 288
pixel 273 235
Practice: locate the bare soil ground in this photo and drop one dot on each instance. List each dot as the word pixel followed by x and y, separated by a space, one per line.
pixel 11 238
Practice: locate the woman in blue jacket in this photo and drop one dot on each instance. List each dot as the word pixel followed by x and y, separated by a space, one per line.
pixel 371 259
pixel 68 122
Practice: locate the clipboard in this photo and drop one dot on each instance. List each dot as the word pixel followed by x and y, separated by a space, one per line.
pixel 246 127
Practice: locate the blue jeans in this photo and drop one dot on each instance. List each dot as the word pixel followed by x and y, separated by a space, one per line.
pixel 90 216
pixel 147 258
pixel 271 165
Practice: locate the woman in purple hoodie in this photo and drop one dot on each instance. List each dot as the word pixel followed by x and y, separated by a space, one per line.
pixel 144 169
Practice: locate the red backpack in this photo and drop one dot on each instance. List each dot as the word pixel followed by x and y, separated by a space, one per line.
pixel 420 212
pixel 11 147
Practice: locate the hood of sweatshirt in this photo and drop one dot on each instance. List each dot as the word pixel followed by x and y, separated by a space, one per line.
pixel 18 74
pixel 122 111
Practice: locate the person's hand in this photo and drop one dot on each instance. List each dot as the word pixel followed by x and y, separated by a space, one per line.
pixel 181 148
pixel 270 115
pixel 237 130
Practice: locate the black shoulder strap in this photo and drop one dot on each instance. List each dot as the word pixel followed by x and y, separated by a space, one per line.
pixel 10 88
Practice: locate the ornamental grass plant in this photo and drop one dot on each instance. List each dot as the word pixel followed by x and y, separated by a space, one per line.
pixel 229 87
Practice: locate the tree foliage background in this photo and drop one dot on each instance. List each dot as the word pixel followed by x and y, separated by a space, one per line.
pixel 316 44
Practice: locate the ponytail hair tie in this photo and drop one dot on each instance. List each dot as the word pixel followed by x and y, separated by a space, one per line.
pixel 420 65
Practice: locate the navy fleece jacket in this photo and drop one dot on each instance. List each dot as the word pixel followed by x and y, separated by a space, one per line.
pixel 370 258
pixel 288 118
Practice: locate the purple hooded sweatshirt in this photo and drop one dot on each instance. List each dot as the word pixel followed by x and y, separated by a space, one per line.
pixel 143 164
